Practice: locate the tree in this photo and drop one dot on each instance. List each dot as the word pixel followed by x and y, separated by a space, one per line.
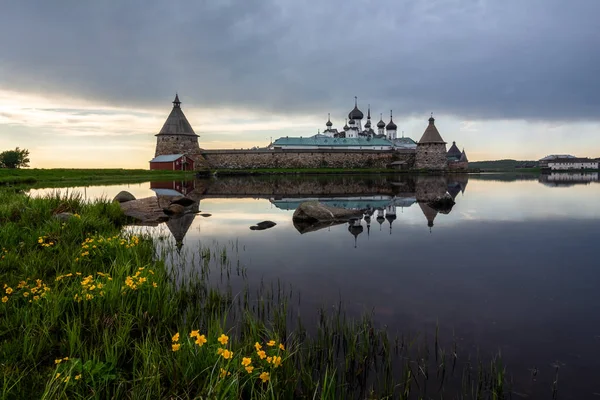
pixel 16 158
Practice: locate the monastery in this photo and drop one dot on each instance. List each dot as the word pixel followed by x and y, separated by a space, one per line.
pixel 354 146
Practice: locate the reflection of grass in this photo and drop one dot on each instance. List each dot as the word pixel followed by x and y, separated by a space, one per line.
pixel 90 311
pixel 85 176
pixel 306 171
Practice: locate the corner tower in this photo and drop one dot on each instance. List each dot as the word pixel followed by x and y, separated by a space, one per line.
pixel 176 135
pixel 431 150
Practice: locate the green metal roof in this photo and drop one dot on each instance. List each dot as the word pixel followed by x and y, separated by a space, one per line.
pixel 322 140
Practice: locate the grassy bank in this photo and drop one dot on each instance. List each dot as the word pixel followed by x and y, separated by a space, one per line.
pixel 91 311
pixel 85 176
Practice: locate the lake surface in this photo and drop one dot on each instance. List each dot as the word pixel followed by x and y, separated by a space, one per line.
pixel 513 266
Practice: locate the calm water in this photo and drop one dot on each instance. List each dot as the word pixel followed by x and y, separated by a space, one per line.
pixel 513 267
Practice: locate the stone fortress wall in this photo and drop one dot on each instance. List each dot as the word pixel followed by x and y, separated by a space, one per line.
pixel 252 159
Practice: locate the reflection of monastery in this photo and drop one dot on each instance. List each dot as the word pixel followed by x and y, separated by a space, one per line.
pixel 354 146
pixel 554 179
pixel 380 204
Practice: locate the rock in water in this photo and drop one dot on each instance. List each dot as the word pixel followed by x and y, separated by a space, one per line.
pixel 263 225
pixel 205 215
pixel 315 211
pixel 124 197
pixel 183 201
pixel 174 209
pixel 442 204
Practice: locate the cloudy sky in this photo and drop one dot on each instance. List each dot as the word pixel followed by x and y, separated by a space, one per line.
pixel 89 83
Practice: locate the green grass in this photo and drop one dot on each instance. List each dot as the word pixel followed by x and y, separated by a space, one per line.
pixel 84 176
pixel 90 310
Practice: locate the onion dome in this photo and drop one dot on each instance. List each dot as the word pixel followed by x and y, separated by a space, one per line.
pixel 368 124
pixel 346 127
pixel 381 124
pixel 355 113
pixel 391 126
pixel 328 124
pixel 351 121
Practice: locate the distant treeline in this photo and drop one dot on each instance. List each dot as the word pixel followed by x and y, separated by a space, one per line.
pixel 503 165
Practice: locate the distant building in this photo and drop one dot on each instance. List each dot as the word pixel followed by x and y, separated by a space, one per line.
pixel 563 164
pixel 544 161
pixel 457 160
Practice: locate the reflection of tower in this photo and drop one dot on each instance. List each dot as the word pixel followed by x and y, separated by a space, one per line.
pixel 390 215
pixel 429 213
pixel 179 226
pixel 355 228
pixel 380 218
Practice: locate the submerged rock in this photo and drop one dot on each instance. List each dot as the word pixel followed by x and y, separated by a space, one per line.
pixel 124 197
pixel 304 226
pixel 315 211
pixel 263 225
pixel 205 215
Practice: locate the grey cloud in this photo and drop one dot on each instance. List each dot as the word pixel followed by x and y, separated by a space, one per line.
pixel 512 59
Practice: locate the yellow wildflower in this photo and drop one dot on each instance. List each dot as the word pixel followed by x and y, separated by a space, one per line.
pixel 67 379
pixel 26 294
pixel 249 369
pixel 57 375
pixel 224 373
pixel 271 343
pixel 220 350
pixel 269 359
pixel 40 240
pixel 77 377
pixel 154 284
pixel 194 333
pixel 281 346
pixel 277 361
pixel 262 354
pixel 257 346
pixel 175 346
pixel 36 298
pixel 200 340
pixel 223 339
pixel 4 299
pixel 8 290
pixel 227 354
pixel 175 337
pixel 264 376
pixel 246 361
pixel 66 359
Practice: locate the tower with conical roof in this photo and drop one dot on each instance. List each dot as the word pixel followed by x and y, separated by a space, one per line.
pixel 177 135
pixel 431 150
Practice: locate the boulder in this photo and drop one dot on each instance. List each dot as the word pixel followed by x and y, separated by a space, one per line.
pixel 124 197
pixel 174 209
pixel 442 204
pixel 63 216
pixel 183 201
pixel 304 226
pixel 205 215
pixel 263 225
pixel 315 211
pixel 146 211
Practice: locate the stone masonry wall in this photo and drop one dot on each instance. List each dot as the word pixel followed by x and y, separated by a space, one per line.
pixel 458 166
pixel 431 156
pixel 249 159
pixel 176 144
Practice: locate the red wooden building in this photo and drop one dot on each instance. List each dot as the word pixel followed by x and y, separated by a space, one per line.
pixel 172 162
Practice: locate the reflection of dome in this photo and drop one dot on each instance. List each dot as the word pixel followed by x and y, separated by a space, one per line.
pixel 380 219
pixel 429 213
pixel 179 227
pixel 355 230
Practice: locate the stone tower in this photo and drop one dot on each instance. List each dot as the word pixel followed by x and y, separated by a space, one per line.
pixel 177 135
pixel 431 150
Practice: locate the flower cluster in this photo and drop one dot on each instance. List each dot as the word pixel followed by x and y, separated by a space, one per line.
pixel 65 376
pixel 44 241
pixel 142 278
pixel 4 252
pixel 94 245
pixel 267 358
pixel 30 289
